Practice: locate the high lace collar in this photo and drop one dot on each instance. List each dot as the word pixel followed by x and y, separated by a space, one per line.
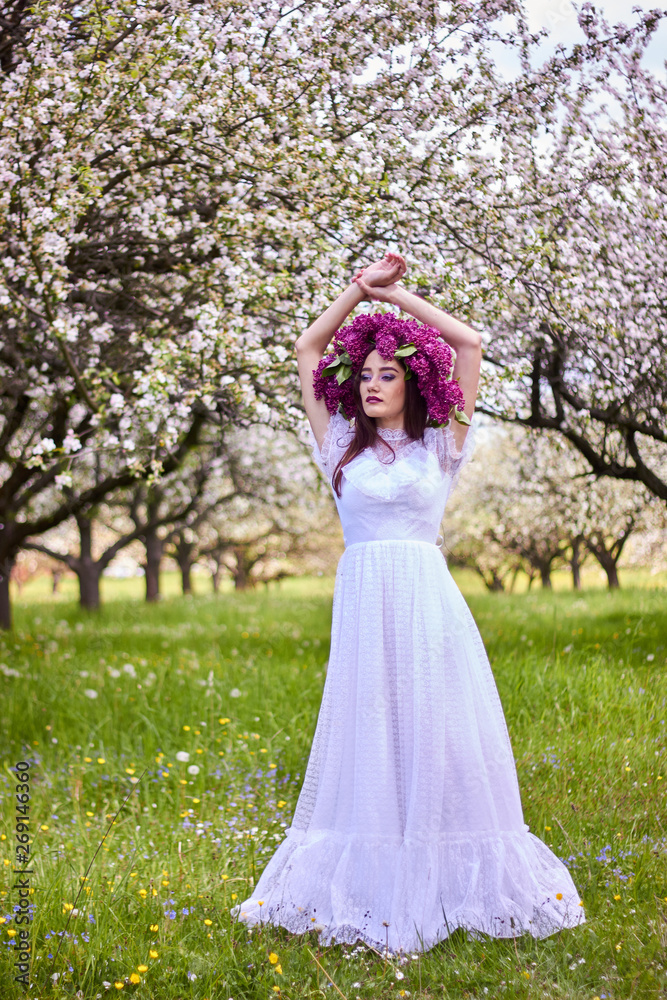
pixel 393 433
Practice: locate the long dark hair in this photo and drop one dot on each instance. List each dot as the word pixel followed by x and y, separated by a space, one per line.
pixel 365 431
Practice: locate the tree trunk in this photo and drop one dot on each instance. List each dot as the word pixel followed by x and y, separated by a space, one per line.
pixel 608 564
pixel 186 577
pixel 89 587
pixel 87 571
pixel 185 561
pixel 545 576
pixel 242 579
pixel 153 545
pixel 494 583
pixel 56 575
pixel 5 598
pixel 608 560
pixel 575 563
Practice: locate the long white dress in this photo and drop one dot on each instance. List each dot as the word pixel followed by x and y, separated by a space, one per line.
pixel 409 822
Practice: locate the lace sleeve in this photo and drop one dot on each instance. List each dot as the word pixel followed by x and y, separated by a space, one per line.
pixel 441 441
pixel 336 440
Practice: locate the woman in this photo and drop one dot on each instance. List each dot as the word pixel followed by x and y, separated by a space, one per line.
pixel 409 822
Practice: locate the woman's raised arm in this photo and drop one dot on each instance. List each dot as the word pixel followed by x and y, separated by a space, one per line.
pixel 311 346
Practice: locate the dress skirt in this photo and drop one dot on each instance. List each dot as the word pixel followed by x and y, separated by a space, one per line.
pixel 409 823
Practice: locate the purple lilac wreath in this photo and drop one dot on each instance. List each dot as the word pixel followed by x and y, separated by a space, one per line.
pixel 422 350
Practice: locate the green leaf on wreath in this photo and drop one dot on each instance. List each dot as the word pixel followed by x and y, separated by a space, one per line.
pixel 460 416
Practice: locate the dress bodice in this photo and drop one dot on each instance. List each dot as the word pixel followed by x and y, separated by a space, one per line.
pixel 387 497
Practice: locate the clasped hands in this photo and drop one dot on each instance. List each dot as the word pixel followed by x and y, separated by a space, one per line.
pixel 379 280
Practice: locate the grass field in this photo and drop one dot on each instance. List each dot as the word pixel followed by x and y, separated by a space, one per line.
pixel 196 715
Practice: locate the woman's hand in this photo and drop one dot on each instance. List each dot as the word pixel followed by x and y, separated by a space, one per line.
pixel 378 293
pixel 385 272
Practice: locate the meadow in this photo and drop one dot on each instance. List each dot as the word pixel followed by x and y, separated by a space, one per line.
pixel 166 745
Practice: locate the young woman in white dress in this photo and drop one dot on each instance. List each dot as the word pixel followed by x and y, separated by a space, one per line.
pixel 409 822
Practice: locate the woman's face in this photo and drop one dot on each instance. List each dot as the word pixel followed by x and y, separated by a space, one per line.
pixel 385 381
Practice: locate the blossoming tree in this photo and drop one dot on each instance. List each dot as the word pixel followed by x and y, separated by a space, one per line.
pixel 181 184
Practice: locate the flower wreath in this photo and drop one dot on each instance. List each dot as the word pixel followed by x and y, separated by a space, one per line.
pixel 422 350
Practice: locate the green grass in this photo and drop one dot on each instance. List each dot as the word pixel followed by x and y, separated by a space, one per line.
pixel 235 681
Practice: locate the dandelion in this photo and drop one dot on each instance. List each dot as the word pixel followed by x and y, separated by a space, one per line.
pixel 235 693
pixel 617 896
pixel 128 668
pixel 11 932
pixel 186 729
pixel 193 769
pixel 183 756
pixel 101 760
pixel 208 922
pixel 44 827
pixel 279 969
pixel 142 968
pixel 273 958
pixel 153 954
pixel 90 693
pixel 134 978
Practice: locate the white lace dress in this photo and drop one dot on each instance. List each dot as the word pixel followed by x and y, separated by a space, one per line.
pixel 409 822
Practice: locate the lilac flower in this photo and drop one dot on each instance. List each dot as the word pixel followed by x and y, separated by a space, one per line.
pixel 432 363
